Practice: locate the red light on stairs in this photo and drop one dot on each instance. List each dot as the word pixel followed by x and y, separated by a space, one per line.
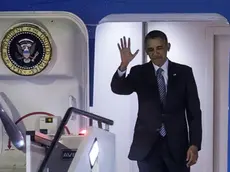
pixel 83 132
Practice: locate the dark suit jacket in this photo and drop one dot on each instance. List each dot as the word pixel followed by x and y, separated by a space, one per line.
pixel 182 98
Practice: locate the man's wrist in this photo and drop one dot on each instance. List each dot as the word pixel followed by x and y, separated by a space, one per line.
pixel 123 67
pixel 194 147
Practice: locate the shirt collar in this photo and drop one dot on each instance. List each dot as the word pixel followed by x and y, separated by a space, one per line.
pixel 164 66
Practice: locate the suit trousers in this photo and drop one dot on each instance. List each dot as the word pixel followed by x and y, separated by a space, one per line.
pixel 160 160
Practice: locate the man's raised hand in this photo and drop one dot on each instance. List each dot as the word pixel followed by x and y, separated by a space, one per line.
pixel 125 52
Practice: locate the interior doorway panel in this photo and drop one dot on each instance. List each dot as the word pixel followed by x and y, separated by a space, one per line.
pixel 221 87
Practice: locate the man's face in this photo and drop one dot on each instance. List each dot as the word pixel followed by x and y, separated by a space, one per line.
pixel 157 49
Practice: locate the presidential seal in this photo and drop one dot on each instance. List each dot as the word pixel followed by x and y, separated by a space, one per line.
pixel 26 49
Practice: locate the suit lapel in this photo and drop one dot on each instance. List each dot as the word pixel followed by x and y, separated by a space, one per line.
pixel 150 73
pixel 152 80
pixel 171 80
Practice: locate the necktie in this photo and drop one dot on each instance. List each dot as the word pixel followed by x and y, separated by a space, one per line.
pixel 162 92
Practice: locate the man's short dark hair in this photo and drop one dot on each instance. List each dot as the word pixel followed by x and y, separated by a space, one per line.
pixel 156 34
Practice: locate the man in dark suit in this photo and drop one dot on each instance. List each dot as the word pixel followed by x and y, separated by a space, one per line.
pixel 168 130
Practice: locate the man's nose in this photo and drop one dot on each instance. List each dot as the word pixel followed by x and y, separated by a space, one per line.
pixel 155 52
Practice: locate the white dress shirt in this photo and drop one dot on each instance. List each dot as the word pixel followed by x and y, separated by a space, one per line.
pixel 164 73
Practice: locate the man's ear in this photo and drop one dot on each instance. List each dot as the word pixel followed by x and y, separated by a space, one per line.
pixel 169 46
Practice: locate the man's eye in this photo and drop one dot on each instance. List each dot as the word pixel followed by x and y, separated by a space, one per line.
pixel 150 49
pixel 159 48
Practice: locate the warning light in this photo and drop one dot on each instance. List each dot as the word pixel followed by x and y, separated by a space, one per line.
pixel 82 132
pixel 49 120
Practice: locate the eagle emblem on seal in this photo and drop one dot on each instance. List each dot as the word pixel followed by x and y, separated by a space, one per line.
pixel 26 50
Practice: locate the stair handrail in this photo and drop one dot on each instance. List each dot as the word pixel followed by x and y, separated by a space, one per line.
pixel 61 128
